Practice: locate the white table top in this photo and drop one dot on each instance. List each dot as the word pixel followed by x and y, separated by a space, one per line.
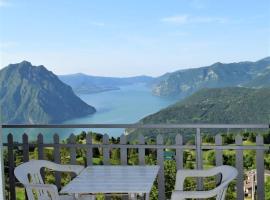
pixel 113 179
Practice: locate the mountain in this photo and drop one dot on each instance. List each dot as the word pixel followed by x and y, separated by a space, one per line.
pixel 185 82
pixel 219 105
pixel 82 83
pixel 32 94
pixel 261 81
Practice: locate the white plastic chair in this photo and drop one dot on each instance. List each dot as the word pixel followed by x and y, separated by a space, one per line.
pixel 228 173
pixel 29 175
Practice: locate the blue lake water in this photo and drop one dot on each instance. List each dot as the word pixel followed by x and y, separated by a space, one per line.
pixel 127 105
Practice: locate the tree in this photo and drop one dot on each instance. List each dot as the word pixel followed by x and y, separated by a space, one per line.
pixel 267 188
pixel 115 156
pixel 170 176
pixel 210 157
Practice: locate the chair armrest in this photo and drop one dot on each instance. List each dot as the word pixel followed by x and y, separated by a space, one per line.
pixel 198 172
pixel 181 175
pixel 68 168
pixel 61 168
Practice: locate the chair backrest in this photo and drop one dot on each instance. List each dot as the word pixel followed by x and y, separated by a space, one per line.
pixel 227 173
pixel 29 172
pixel 29 175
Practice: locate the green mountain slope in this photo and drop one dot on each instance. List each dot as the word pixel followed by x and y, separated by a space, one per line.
pixel 30 94
pixel 261 81
pixel 82 83
pixel 222 105
pixel 185 82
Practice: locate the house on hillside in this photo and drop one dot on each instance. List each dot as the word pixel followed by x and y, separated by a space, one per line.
pixel 250 183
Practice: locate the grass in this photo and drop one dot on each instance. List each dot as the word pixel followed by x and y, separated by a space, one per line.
pixel 20 193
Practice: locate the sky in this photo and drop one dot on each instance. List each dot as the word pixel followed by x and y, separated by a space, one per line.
pixel 132 37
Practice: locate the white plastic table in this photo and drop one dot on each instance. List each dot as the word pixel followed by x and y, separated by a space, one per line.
pixel 113 179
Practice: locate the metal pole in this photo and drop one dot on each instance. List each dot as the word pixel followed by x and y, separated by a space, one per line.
pixel 199 164
pixel 2 177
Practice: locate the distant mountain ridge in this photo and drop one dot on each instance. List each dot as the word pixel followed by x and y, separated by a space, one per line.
pixel 32 94
pixel 219 105
pixel 183 83
pixel 82 83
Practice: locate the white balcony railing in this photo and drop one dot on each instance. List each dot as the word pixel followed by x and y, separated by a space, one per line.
pixel 159 146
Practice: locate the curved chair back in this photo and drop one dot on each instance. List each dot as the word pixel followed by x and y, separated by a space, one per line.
pixel 227 173
pixel 29 175
pixel 29 172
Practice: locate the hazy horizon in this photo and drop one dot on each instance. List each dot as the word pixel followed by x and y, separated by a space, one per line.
pixel 119 76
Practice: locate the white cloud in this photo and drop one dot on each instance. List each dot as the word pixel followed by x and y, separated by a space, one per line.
pixel 178 19
pixel 187 19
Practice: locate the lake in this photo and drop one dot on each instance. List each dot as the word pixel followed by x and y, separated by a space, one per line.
pixel 127 105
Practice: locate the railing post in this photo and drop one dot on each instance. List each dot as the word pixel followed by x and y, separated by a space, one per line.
pixel 141 150
pixel 240 168
pixel 2 176
pixel 260 168
pixel 72 149
pixel 160 162
pixel 218 141
pixel 25 148
pixel 89 150
pixel 11 167
pixel 179 152
pixel 106 150
pixel 41 153
pixel 56 154
pixel 219 159
pixel 106 155
pixel 123 150
pixel 123 156
pixel 199 157
pixel 25 152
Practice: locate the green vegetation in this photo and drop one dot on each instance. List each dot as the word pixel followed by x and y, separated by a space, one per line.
pixel 215 106
pixel 183 83
pixel 30 94
pixel 150 159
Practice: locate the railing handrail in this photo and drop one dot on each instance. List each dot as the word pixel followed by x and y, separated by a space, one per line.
pixel 150 146
pixel 144 126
